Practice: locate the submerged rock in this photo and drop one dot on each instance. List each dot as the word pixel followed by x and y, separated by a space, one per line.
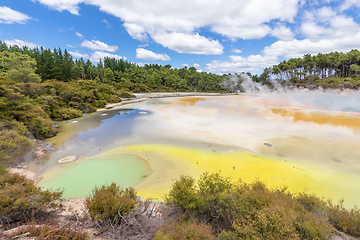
pixel 268 144
pixel 68 159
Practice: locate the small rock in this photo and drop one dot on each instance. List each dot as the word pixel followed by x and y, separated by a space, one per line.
pixel 268 144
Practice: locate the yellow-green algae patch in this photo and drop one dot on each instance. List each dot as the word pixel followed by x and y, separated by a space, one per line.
pixel 170 162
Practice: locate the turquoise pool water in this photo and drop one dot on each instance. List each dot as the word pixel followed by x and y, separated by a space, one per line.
pixel 79 178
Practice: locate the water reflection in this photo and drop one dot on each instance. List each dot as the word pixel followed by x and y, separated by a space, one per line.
pixel 93 134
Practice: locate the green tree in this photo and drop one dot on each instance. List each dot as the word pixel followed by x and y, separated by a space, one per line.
pixel 18 67
pixel 108 75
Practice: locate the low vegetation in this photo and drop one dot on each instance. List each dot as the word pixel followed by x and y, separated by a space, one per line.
pixel 21 200
pixel 110 203
pixel 49 231
pixel 253 211
pixel 184 230
pixel 211 208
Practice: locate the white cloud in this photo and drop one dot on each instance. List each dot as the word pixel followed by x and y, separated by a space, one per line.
pixel 79 35
pixel 98 45
pixel 325 23
pixel 108 25
pixel 301 27
pixel 282 33
pixel 143 45
pixel 171 22
pixel 150 56
pixel 62 5
pixel 136 31
pixel 20 43
pixel 312 30
pixel 198 67
pixel 8 16
pixel 297 48
pixel 189 43
pixel 79 55
pixel 96 56
pixel 350 3
pixel 237 64
pixel 243 32
pixel 236 50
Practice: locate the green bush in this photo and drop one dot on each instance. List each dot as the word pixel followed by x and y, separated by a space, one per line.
pixel 3 170
pixel 13 146
pixel 65 113
pixel 252 211
pixel 107 202
pixel 184 230
pixel 183 194
pixel 18 127
pixel 21 200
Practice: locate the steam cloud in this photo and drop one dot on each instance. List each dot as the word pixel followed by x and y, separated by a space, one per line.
pixel 326 99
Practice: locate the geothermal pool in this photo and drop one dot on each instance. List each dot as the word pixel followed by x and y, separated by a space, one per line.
pixel 307 141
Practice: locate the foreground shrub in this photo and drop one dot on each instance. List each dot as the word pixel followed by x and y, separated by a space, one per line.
pixel 184 230
pixel 140 223
pixel 21 200
pixel 347 221
pixel 110 202
pixel 252 211
pixel 49 232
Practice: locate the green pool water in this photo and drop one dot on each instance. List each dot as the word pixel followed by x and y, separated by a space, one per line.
pixel 79 178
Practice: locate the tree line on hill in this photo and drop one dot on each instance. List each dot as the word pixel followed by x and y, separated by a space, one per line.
pixel 60 65
pixel 330 70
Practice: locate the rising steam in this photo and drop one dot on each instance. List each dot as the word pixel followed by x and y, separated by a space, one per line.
pixel 318 98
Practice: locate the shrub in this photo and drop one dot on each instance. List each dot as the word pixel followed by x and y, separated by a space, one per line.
pixel 345 220
pixel 184 230
pixel 141 223
pixel 65 113
pixel 49 232
pixel 3 170
pixel 183 194
pixel 110 202
pixel 19 127
pixel 250 211
pixel 124 94
pixel 21 199
pixel 13 146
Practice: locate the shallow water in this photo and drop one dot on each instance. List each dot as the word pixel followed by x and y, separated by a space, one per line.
pixel 302 142
pixel 79 178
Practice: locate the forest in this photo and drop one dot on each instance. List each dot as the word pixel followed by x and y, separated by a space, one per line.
pixel 59 65
pixel 330 70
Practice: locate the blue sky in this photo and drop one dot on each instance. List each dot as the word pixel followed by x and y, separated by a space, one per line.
pixel 219 36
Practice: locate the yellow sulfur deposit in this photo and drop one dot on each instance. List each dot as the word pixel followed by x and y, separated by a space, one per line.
pixel 170 162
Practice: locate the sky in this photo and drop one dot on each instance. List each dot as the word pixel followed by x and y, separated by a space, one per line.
pixel 218 36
